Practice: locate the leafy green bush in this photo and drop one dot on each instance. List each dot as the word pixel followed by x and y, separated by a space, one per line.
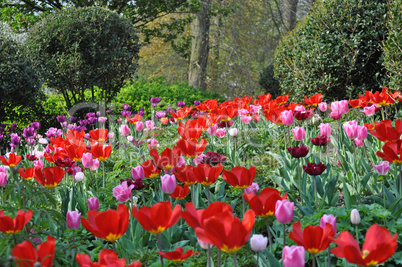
pixel 79 48
pixel 19 84
pixel 269 82
pixel 393 46
pixel 138 93
pixel 336 51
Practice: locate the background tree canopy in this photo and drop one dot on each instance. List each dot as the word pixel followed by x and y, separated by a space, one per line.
pixel 78 48
pixel 336 51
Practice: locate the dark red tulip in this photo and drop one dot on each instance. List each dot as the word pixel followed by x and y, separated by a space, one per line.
pixel 314 169
pixel 299 151
pixel 321 140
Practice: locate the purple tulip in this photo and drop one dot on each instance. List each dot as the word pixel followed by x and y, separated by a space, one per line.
pixel 382 168
pixel 126 106
pixel 253 188
pixel 73 219
pixel 122 192
pixel 93 203
pixel 35 125
pixel 196 102
pixel 138 172
pixel 181 104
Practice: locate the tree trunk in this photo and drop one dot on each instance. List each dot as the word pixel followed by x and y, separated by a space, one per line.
pixel 289 15
pixel 200 47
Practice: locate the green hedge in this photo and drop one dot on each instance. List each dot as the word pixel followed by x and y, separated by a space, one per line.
pixel 336 51
pixel 393 46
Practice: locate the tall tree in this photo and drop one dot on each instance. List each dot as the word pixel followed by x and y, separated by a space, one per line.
pixel 289 15
pixel 197 73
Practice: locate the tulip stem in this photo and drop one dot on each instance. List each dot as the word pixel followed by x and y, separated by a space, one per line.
pixel 300 184
pixel 208 196
pixel 314 261
pixel 103 167
pixel 284 135
pixel 209 255
pixel 357 233
pixel 90 176
pixel 234 259
pixel 73 237
pixel 192 193
pixel 329 258
pixel 284 235
pixel 269 234
pixel 2 195
pixel 258 256
pixel 219 258
pixel 244 206
pixel 400 180
pixel 15 239
pixel 114 246
pixel 315 190
pixel 160 247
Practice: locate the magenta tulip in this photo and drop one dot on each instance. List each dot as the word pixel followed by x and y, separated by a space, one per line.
pixel 284 211
pixel 299 133
pixel 138 173
pixel 323 106
pixel 344 106
pixel 87 160
pixel 382 168
pixel 122 192
pixel 220 132
pixel 139 126
pixel 358 142
pixel 3 178
pixel 369 110
pixel 350 128
pixel 168 183
pixel 331 219
pixel 362 132
pixel 73 219
pixel 293 256
pixel 287 117
pixel 95 165
pixel 124 130
pixel 93 203
pixel 253 188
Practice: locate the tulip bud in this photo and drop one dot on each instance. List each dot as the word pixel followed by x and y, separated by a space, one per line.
pixel 87 160
pixel 124 130
pixel 139 126
pixel 220 132
pixel 203 244
pixel 253 188
pixel 293 256
pixel 325 129
pixel 233 131
pixel 130 138
pixel 358 142
pixel 331 219
pixel 149 124
pixel 93 203
pixel 110 135
pixel 382 168
pixel 284 211
pixel 3 178
pixel 168 183
pixel 299 133
pixel 323 106
pixel 138 173
pixel 355 216
pixel 287 117
pixel 73 219
pixel 258 243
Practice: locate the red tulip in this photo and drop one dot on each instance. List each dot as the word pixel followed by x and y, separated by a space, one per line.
pixel 106 258
pixel 299 151
pixel 27 174
pixel 134 119
pixel 313 100
pixel 177 255
pixel 264 204
pixel 100 151
pixel 181 113
pixel 50 177
pixel 208 105
pixel 314 169
pixel 207 175
pixel 180 192
pixel 168 158
pixel 150 170
pixel 385 132
pixel 98 135
pixel 109 225
pixel 239 177
pixel 377 248
pixel 26 255
pixel 190 148
pixel 185 174
pixel 314 239
pixel 12 160
pixel 391 152
pixel 196 218
pixel 12 226
pixel 157 218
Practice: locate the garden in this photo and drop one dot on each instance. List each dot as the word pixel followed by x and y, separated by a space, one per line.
pixel 109 157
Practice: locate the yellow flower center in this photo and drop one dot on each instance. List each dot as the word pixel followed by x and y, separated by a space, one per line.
pixel 226 249
pixel 112 237
pixel 158 231
pixel 51 185
pixel 313 251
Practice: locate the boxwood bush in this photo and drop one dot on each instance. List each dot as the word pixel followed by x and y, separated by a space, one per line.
pixel 336 51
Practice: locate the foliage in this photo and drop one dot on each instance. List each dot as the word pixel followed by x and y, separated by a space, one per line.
pixel 269 82
pixel 336 51
pixel 77 49
pixel 138 93
pixel 19 83
pixel 393 46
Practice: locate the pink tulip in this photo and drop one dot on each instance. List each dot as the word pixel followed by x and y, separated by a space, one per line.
pixel 139 126
pixel 38 164
pixel 130 138
pixel 254 109
pixel 138 173
pixel 79 176
pixel 124 130
pixel 369 110
pixel 344 106
pixel 323 106
pixel 350 128
pixel 358 142
pixel 93 203
pixel 212 130
pixel 199 159
pixel 325 129
pixel 149 124
pixel 299 133
pixel 152 143
pixel 73 219
pixel 253 188
pixel 87 160
pixel 362 132
pixel 258 243
pixel 95 165
pixel 102 119
pixel 242 112
pixel 122 192
pixel 181 162
pixel 246 119
pixel 287 117
pixel 3 178
pixel 382 168
pixel 168 183
pixel 203 244
pixel 331 219
pixel 220 132
pixel 336 115
pixel 284 211
pixel 110 135
pixel 293 256
pixel 335 106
